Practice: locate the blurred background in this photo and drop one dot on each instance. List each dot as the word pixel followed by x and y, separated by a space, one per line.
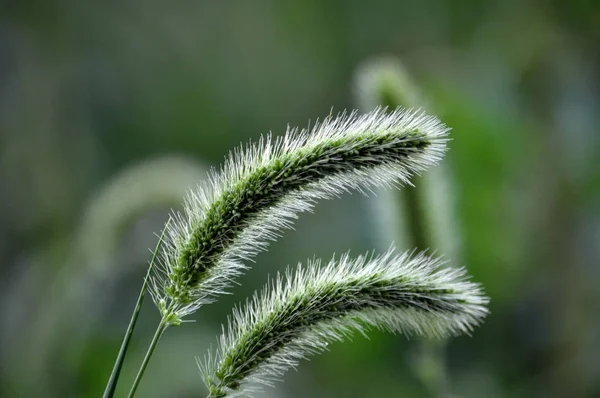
pixel 110 110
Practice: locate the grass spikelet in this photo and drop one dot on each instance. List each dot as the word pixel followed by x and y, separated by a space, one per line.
pixel 298 315
pixel 261 188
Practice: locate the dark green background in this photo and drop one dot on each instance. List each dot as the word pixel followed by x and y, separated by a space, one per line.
pixel 91 88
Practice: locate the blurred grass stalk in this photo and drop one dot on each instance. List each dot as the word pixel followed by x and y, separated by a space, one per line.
pixel 419 215
pixel 96 261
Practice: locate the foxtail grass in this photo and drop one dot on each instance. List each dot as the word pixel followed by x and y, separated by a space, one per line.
pixel 261 188
pixel 297 316
pixel 257 194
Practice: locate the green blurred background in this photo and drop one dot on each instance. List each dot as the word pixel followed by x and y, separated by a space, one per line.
pixel 109 110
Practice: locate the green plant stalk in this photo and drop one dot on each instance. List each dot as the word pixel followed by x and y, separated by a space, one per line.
pixel 386 83
pixel 162 326
pixel 430 363
pixel 415 214
pixel 111 386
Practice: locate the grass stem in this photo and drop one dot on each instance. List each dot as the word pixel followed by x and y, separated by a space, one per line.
pixel 162 326
pixel 111 386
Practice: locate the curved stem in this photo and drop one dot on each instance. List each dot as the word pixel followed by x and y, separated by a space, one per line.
pixel 111 386
pixel 162 326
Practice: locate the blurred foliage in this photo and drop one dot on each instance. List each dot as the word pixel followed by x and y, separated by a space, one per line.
pixel 89 90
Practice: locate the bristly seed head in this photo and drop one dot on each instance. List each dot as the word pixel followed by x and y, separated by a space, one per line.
pixel 260 190
pixel 297 316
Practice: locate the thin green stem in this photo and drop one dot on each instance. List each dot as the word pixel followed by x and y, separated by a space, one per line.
pixel 416 215
pixel 111 386
pixel 162 326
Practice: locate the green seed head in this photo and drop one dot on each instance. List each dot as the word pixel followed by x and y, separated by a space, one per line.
pixel 297 316
pixel 260 189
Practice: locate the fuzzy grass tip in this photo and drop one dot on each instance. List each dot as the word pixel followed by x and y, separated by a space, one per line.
pixel 297 316
pixel 261 188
